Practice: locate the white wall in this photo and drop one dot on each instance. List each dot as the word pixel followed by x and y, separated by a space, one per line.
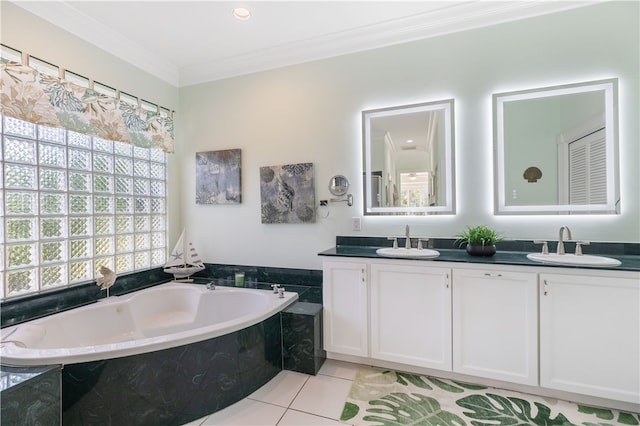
pixel 26 32
pixel 21 30
pixel 311 113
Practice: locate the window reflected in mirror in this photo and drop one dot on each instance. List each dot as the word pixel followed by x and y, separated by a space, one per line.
pixel 408 159
pixel 556 150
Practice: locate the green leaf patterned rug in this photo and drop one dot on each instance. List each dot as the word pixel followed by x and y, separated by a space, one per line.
pixel 390 398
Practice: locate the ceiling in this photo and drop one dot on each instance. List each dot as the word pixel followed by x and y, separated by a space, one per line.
pixel 191 42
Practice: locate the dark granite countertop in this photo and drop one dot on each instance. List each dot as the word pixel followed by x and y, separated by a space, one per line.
pixel 502 257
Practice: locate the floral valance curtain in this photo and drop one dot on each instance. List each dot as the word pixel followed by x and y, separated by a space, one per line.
pixel 42 98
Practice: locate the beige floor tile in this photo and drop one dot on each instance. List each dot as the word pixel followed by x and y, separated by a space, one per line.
pixel 282 389
pixel 298 418
pixel 247 413
pixel 342 369
pixel 196 422
pixel 323 396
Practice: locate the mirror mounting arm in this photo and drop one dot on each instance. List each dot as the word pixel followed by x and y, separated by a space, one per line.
pixel 349 200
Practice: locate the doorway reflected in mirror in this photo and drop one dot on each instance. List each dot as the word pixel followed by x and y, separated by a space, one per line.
pixel 408 159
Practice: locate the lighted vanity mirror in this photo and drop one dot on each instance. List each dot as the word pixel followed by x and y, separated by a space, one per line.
pixel 556 150
pixel 408 159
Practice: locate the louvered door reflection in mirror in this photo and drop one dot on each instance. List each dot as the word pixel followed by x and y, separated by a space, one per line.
pixel 556 150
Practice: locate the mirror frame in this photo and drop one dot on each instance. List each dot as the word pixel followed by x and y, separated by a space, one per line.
pixel 448 174
pixel 610 88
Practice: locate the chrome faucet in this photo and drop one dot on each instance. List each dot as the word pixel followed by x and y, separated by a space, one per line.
pixel 407 243
pixel 560 249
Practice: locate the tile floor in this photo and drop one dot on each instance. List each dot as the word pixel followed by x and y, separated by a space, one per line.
pixel 292 399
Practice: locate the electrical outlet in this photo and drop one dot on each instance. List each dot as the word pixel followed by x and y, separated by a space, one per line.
pixel 356 225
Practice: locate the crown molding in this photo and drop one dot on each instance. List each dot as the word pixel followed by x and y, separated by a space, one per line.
pixel 456 17
pixel 63 15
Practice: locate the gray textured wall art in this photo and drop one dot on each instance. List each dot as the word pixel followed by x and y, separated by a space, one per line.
pixel 288 193
pixel 218 177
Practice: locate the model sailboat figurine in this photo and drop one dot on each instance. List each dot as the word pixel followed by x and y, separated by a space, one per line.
pixel 184 260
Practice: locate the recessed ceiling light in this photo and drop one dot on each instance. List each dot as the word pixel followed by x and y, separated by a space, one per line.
pixel 241 14
pixel 409 140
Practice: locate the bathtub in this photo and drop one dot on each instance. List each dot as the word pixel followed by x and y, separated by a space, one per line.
pixel 161 317
pixel 169 354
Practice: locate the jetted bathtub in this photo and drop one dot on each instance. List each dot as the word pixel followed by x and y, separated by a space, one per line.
pixel 161 317
pixel 169 354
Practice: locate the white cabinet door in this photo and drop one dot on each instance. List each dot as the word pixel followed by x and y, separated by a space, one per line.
pixel 345 301
pixel 411 315
pixel 495 325
pixel 590 335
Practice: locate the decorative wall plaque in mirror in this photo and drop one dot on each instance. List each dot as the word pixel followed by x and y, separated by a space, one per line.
pixel 556 149
pixel 408 159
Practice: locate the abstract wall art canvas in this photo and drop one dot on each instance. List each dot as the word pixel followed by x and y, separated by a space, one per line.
pixel 218 177
pixel 288 193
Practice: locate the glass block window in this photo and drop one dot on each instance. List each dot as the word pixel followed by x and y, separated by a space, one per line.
pixel 71 203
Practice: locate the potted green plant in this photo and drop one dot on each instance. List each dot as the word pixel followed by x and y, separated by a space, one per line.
pixel 480 240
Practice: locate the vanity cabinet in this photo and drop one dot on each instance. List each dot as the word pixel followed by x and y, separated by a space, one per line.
pixel 345 307
pixel 410 318
pixel 590 335
pixel 547 328
pixel 495 324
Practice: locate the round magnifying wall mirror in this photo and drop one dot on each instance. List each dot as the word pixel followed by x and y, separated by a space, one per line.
pixel 338 185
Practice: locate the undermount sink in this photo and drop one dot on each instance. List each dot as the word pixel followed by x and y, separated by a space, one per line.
pixel 404 252
pixel 572 259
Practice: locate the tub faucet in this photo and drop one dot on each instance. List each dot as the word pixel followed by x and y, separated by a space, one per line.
pixel 560 248
pixel 407 243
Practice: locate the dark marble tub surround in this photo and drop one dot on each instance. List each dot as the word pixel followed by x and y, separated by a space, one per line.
pixel 173 386
pixel 181 384
pixel 510 252
pixel 307 283
pixel 30 395
pixel 22 309
pixel 177 385
pixel 302 346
